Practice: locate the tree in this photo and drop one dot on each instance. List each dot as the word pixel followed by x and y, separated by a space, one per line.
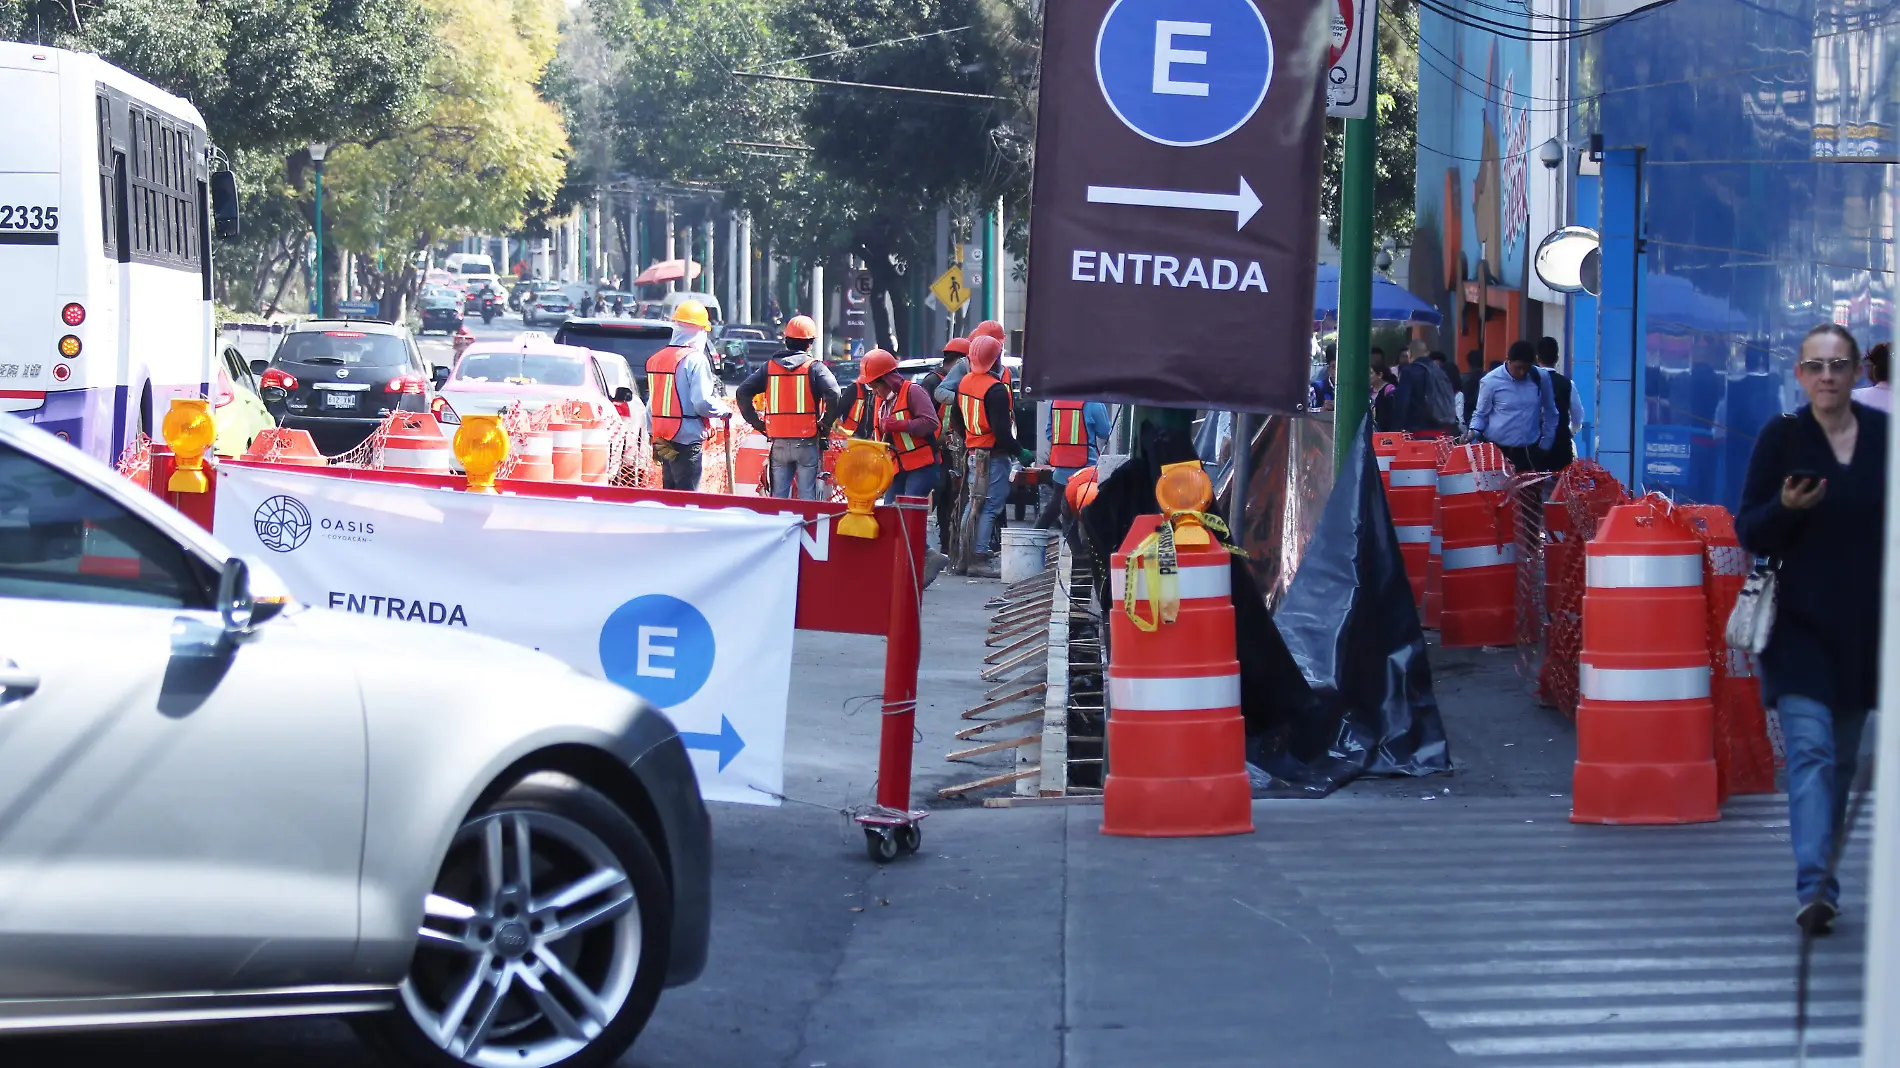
pixel 486 145
pixel 1395 166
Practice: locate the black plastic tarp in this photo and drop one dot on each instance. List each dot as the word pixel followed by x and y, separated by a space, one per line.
pixel 1350 624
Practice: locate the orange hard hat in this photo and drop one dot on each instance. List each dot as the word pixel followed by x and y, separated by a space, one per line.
pixel 1080 491
pixel 802 327
pixel 988 328
pixel 876 364
pixel 984 352
pixel 958 345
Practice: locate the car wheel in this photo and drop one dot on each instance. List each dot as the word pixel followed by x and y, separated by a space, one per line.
pixel 544 942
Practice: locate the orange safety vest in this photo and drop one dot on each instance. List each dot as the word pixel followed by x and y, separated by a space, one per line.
pixel 664 392
pixel 977 433
pixel 912 452
pixel 790 409
pixel 860 401
pixel 1068 435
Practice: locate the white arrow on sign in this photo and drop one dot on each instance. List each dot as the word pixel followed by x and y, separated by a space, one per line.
pixel 1243 204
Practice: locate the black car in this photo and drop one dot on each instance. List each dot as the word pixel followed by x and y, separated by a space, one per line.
pixel 632 340
pixel 339 379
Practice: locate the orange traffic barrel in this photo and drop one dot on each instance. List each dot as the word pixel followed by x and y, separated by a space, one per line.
pixel 413 441
pixel 536 462
pixel 286 445
pixel 748 463
pixel 565 450
pixel 1176 742
pixel 1385 447
pixel 1645 724
pixel 1479 553
pixel 596 437
pixel 1412 487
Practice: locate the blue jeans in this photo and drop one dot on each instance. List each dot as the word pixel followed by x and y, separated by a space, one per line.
pixel 993 505
pixel 918 483
pixel 794 463
pixel 1823 748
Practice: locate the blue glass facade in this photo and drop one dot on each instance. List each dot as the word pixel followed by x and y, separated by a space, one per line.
pixel 1743 199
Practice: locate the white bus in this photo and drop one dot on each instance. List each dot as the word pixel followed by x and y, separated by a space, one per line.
pixel 105 248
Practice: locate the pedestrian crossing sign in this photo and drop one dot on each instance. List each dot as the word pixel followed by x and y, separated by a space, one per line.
pixel 950 290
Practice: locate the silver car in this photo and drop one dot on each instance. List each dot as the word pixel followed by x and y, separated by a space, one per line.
pixel 216 803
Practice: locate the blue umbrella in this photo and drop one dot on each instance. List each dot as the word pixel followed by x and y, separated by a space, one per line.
pixel 1391 302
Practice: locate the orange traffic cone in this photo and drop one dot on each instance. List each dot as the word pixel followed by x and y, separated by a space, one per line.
pixel 1176 741
pixel 1646 725
pixel 286 445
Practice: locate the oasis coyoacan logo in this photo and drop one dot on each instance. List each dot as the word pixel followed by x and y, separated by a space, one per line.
pixel 282 523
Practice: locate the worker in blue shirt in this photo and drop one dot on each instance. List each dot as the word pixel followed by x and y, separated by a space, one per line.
pixel 1517 411
pixel 1077 432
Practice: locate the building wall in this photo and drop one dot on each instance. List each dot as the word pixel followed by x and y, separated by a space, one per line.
pixel 1739 209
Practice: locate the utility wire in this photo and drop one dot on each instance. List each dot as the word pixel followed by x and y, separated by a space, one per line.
pixel 1515 32
pixel 863 47
pixel 863 85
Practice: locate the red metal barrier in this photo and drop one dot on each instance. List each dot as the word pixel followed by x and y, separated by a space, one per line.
pixel 837 578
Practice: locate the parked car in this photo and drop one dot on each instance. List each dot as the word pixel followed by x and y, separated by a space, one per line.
pixel 340 378
pixel 238 405
pixel 544 305
pixel 633 340
pixel 201 827
pixel 732 346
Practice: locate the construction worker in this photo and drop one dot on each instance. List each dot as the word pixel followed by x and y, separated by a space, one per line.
pixel 905 419
pixel 985 414
pixel 800 395
pixel 1076 433
pixel 946 390
pixel 857 403
pixel 680 400
pixel 949 441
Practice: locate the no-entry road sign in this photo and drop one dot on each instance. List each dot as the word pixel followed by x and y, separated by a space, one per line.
pixel 1176 205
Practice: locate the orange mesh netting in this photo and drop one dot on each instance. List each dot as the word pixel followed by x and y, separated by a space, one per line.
pixel 1746 750
pixel 135 463
pixel 1587 492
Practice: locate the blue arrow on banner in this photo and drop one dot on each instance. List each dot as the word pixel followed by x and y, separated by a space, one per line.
pixel 726 743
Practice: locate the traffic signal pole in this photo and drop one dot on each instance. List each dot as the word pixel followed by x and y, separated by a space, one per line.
pixel 1351 391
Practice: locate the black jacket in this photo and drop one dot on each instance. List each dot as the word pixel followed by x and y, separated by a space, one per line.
pixel 1826 641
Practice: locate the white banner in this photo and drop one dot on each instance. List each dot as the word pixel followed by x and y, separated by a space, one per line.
pixel 690 608
pixel 1349 89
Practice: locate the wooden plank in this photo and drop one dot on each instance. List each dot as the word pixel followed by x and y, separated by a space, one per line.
pixel 1009 684
pixel 994 780
pixel 991 674
pixel 1012 648
pixel 1008 634
pixel 994 747
pixel 1019 801
pixel 990 725
pixel 1026 691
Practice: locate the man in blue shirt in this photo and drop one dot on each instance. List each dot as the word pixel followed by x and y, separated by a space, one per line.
pixel 1516 409
pixel 1321 391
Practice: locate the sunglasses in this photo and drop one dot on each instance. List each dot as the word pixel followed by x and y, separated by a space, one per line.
pixel 1837 366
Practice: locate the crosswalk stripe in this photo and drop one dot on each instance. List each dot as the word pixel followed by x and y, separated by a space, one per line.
pixel 1595 966
pixel 1650 1041
pixel 1639 988
pixel 1580 945
pixel 1779 1010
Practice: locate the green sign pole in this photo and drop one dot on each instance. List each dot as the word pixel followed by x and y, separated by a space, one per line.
pixel 1355 276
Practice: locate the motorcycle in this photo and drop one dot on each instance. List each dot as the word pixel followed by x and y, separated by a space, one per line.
pixel 490 308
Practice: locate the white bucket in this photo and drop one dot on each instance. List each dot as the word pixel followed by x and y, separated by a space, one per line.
pixel 1025 552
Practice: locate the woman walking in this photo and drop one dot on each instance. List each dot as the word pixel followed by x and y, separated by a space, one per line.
pixel 1814 502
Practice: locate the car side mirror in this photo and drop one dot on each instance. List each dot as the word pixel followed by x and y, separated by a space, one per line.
pixel 624 395
pixel 440 375
pixel 238 608
pixel 224 205
pixel 258 367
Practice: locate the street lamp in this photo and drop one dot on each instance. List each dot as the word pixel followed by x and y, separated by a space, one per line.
pixel 319 149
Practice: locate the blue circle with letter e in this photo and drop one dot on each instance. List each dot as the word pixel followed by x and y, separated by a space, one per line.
pixel 659 647
pixel 1184 72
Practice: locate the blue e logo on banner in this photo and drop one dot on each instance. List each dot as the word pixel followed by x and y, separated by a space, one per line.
pixel 659 647
pixel 1184 72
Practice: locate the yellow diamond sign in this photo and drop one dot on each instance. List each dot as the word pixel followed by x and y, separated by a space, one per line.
pixel 950 290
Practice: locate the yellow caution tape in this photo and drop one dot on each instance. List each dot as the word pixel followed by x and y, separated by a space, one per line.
pixel 1154 557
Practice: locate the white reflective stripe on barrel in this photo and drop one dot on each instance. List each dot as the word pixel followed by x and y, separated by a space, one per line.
pixel 1643 684
pixel 1417 535
pixel 1385 463
pixel 1478 556
pixel 567 439
pixel 1643 572
pixel 537 444
pixel 1414 476
pixel 1203 580
pixel 1173 695
pixel 1469 482
pixel 420 459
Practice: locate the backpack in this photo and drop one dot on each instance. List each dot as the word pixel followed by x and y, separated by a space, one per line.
pixel 1440 406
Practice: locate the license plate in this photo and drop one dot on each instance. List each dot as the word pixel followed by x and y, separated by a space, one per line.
pixel 339 400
